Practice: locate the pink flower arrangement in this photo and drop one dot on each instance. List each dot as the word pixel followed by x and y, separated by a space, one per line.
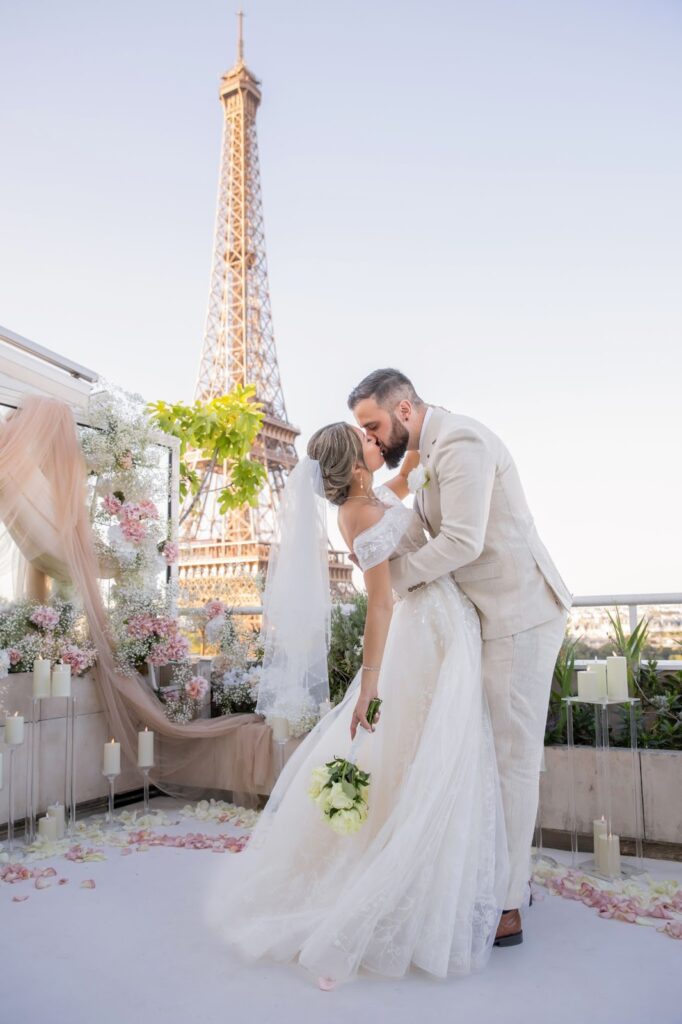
pixel 79 658
pixel 141 627
pixel 112 504
pixel 196 688
pixel 170 552
pixel 45 617
pixel 213 609
pixel 133 529
pixel 148 510
pixel 15 655
pixel 175 648
pixel 163 632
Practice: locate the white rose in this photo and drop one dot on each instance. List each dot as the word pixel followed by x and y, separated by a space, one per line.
pixel 338 797
pixel 319 779
pixel 417 478
pixel 346 822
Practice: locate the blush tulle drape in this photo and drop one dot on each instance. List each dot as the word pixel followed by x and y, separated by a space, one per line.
pixel 43 507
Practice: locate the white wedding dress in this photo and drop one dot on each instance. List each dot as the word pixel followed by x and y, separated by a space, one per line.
pixel 423 881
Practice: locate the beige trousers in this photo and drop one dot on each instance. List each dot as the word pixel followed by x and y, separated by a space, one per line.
pixel 517 676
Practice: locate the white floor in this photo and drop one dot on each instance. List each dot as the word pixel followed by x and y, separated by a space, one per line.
pixel 135 949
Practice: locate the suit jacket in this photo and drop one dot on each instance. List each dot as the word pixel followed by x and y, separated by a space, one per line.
pixel 482 530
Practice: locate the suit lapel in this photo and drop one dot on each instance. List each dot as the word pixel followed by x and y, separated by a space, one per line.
pixel 426 445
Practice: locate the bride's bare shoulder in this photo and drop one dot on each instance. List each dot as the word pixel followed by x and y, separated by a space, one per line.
pixel 357 516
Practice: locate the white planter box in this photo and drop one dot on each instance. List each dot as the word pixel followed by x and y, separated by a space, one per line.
pixel 658 773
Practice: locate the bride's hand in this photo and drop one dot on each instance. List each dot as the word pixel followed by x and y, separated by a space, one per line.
pixel 360 714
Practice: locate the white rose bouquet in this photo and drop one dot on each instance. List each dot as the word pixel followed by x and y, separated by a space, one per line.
pixel 340 788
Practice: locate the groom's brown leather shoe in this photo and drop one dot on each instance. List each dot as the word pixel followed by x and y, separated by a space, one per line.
pixel 509 931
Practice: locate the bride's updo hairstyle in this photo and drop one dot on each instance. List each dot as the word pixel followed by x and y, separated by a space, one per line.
pixel 338 449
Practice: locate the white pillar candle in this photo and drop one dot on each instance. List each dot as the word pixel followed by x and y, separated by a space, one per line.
pixel 61 680
pixel 587 686
pixel 14 730
pixel 325 708
pixel 41 678
pixel 145 748
pixel 56 811
pixel 47 827
pixel 609 855
pixel 280 729
pixel 598 829
pixel 112 758
pixel 0 771
pixel 617 678
pixel 598 670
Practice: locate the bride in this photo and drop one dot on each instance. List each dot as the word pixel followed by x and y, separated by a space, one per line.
pixel 422 882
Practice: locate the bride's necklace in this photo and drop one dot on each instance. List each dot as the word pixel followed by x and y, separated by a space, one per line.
pixel 364 497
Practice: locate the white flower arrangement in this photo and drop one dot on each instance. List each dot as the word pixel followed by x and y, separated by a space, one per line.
pixel 418 479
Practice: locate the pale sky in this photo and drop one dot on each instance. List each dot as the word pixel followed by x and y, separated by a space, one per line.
pixel 484 194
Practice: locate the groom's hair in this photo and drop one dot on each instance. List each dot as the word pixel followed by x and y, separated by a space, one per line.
pixel 387 387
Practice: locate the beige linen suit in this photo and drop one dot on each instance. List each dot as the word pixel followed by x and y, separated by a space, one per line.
pixel 483 533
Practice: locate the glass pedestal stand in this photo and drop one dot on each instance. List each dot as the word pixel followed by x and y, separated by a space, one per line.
pixel 33 753
pixel 10 803
pixel 604 794
pixel 537 853
pixel 145 769
pixel 111 779
pixel 70 765
pixel 280 744
pixel 32 748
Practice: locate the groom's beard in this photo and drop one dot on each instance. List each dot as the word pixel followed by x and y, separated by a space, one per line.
pixel 394 451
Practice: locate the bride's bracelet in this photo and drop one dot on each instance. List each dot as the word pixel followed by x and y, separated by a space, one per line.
pixel 369 668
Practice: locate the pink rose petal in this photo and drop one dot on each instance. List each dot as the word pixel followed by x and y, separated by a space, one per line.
pixel 88 883
pixel 42 883
pixel 19 899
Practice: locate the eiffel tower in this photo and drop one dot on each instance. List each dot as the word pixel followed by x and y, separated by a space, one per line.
pixel 224 556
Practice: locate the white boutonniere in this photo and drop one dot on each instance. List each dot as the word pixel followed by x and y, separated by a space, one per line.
pixel 417 479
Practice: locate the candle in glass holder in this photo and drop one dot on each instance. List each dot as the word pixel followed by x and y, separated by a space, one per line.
pixel 598 829
pixel 617 678
pixel 41 678
pixel 145 748
pixel 56 811
pixel 61 679
pixel 280 729
pixel 47 827
pixel 14 730
pixel 598 670
pixel 587 686
pixel 112 758
pixel 609 855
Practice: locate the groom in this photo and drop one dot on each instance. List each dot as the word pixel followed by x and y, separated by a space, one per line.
pixel 482 532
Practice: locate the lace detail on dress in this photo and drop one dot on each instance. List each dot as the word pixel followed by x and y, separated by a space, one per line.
pixel 399 530
pixel 378 542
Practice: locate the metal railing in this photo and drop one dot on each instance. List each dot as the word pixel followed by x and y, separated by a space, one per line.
pixel 630 601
